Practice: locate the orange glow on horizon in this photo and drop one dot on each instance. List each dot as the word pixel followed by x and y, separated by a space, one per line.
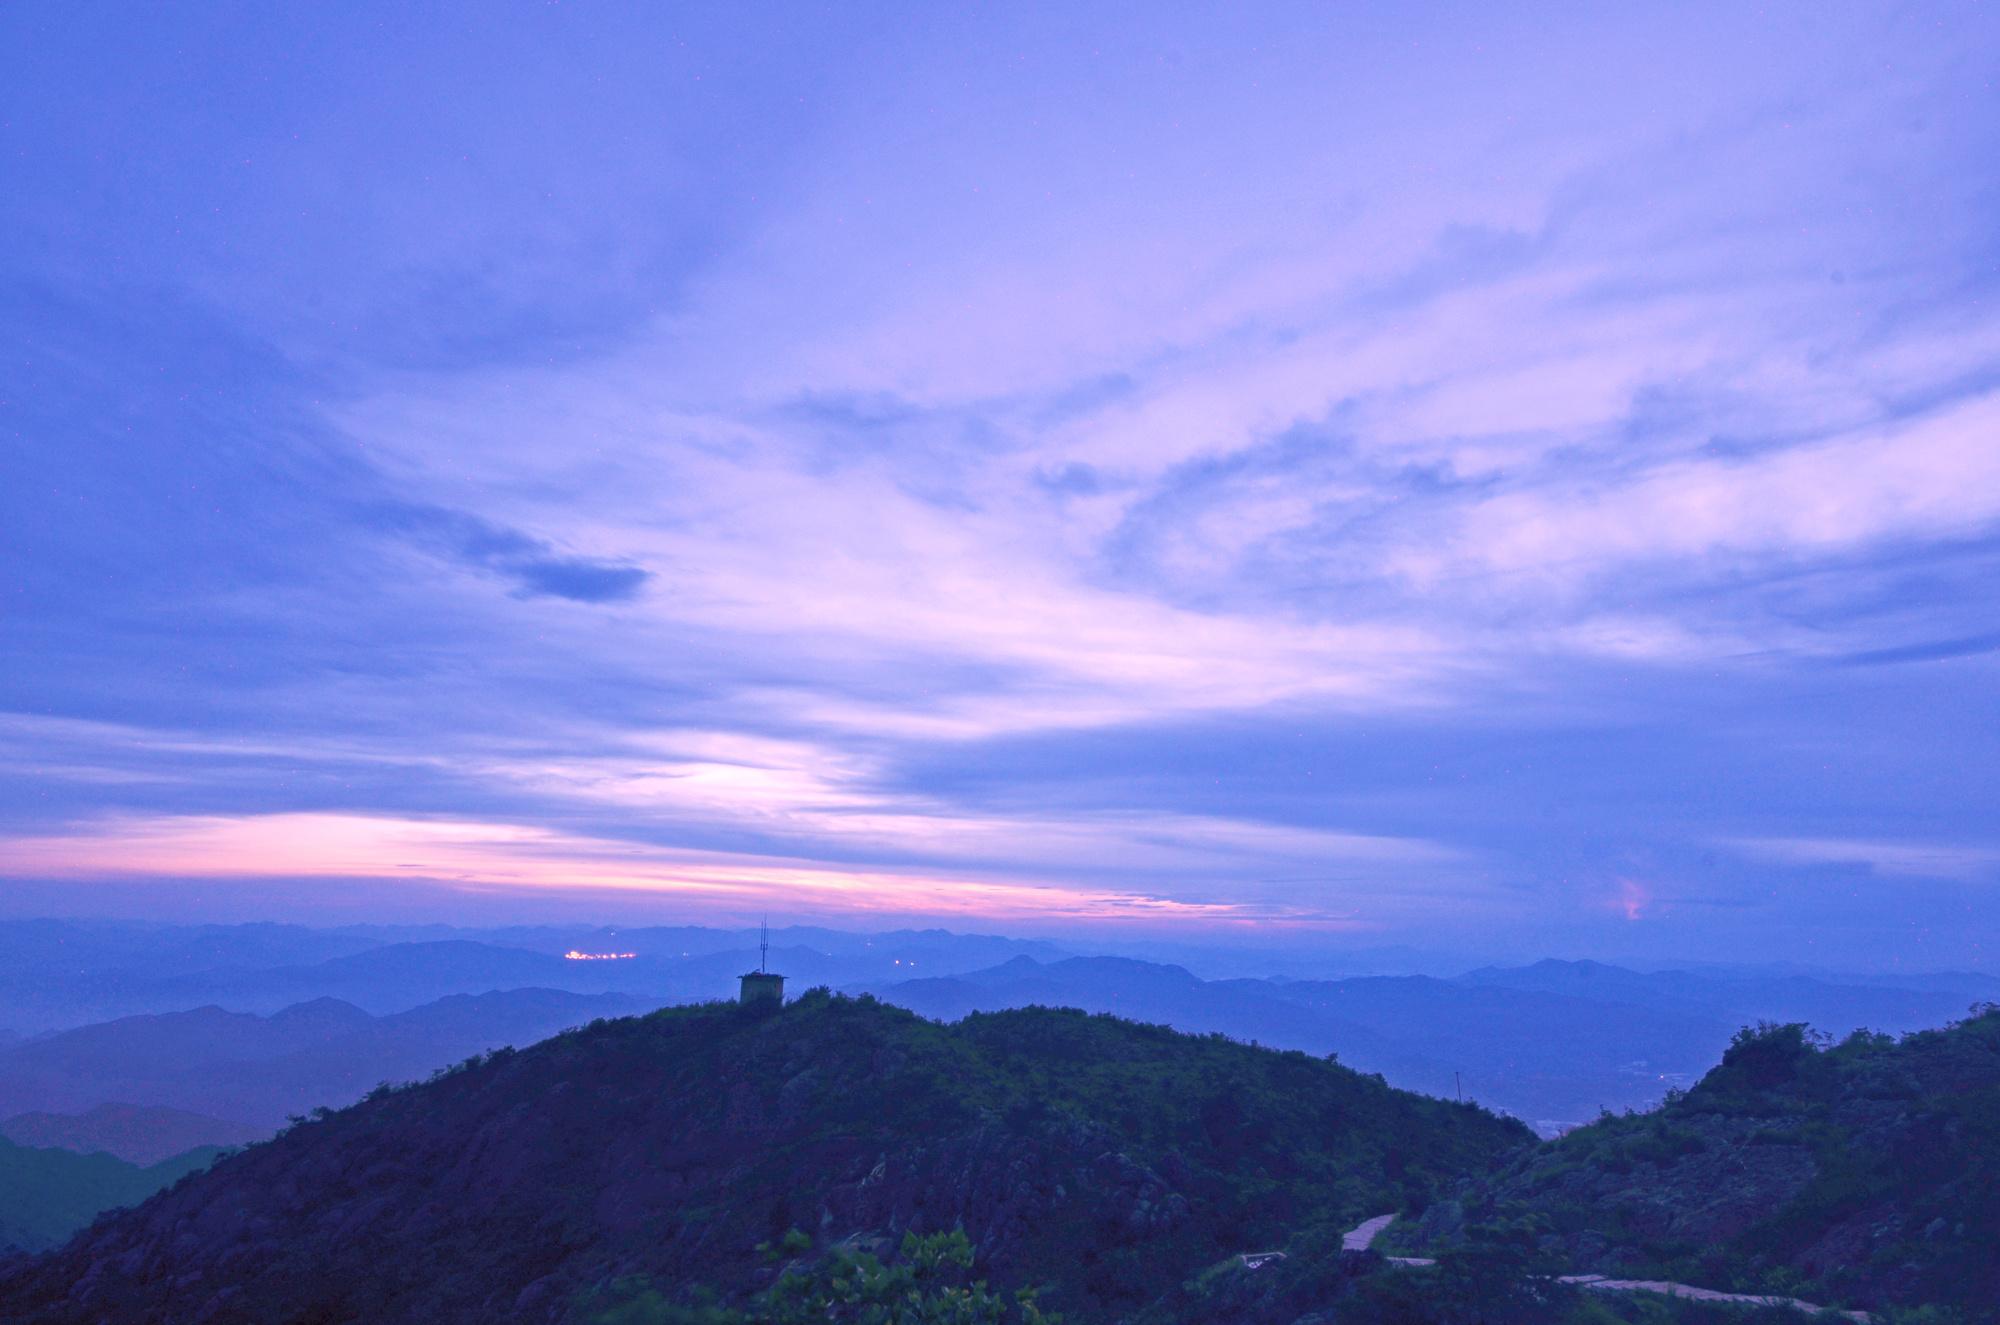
pixel 477 855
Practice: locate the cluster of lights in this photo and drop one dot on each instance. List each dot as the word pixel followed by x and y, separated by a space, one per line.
pixel 576 956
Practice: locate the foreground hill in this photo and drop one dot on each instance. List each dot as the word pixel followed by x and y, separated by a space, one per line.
pixel 1554 1043
pixel 1867 1172
pixel 47 1195
pixel 1106 1159
pixel 1537 1054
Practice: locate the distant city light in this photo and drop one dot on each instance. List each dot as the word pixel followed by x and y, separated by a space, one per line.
pixel 576 956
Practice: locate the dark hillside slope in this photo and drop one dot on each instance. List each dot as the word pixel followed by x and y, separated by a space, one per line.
pixel 1535 1054
pixel 1106 1158
pixel 1868 1173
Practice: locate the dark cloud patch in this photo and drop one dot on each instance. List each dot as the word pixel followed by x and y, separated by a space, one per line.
pixel 579 580
pixel 1926 651
pixel 537 568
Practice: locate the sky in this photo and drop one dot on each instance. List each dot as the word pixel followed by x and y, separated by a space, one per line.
pixel 1325 474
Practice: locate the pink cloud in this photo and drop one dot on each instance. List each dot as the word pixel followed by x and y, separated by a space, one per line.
pixel 1931 476
pixel 486 855
pixel 1632 900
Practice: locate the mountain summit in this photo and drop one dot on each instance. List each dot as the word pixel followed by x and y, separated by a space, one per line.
pixel 1103 1159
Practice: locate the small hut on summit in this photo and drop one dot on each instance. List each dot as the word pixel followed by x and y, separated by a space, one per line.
pixel 762 985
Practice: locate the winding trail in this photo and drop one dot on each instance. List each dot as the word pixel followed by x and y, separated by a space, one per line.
pixel 1362 1238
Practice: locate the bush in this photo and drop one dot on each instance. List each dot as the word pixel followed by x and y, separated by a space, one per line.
pixel 928 1282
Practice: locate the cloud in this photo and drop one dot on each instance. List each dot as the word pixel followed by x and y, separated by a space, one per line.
pixel 1634 898
pixel 578 579
pixel 536 568
pixel 1912 859
pixel 1937 476
pixel 1506 423
pixel 489 855
pixel 680 794
pixel 1969 646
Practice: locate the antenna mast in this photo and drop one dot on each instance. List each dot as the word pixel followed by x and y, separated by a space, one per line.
pixel 763 944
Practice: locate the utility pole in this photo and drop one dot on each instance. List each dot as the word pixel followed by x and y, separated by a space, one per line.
pixel 1457 1089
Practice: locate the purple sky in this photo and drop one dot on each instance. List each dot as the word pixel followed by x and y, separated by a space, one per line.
pixel 1523 482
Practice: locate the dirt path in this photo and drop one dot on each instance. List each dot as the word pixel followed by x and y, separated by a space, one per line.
pixel 1362 1238
pixel 1597 1283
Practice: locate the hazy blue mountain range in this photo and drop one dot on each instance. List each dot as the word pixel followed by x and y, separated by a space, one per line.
pixel 1556 1042
pixel 137 1133
pixel 46 1195
pixel 1831 1003
pixel 57 974
pixel 258 1070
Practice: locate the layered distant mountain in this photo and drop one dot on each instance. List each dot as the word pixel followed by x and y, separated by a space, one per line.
pixel 138 1134
pixel 60 974
pixel 1877 1003
pixel 1106 1160
pixel 1555 1043
pixel 256 1071
pixel 46 1195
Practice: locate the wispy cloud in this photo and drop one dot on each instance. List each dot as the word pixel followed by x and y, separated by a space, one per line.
pixel 1519 416
pixel 1911 859
pixel 535 567
pixel 1934 477
pixel 482 855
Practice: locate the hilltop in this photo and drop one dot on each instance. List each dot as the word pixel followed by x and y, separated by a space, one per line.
pixel 1866 1172
pixel 1102 1158
pixel 1553 1043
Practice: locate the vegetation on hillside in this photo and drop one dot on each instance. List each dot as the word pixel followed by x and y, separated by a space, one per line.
pixel 1106 1160
pixel 1863 1173
pixel 929 1281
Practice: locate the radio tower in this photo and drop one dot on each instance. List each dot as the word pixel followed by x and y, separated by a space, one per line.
pixel 763 985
